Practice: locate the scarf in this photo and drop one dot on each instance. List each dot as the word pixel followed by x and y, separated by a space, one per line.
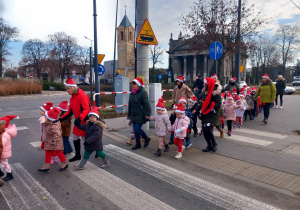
pixel 211 85
pixel 134 91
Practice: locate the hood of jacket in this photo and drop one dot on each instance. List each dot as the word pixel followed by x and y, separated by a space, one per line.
pixel 100 123
pixel 267 83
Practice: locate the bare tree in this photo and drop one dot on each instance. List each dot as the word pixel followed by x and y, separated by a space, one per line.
pixel 83 59
pixel 65 48
pixel 7 35
pixel 35 51
pixel 216 20
pixel 156 53
pixel 287 37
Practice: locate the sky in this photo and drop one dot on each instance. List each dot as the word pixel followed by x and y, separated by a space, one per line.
pixel 40 18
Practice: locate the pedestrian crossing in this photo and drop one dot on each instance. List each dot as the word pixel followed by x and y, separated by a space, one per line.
pixel 24 192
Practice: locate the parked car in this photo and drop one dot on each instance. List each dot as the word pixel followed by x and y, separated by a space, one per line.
pixel 83 83
pixel 288 90
pixel 242 84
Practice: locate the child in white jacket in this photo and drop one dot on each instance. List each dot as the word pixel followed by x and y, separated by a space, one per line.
pixel 239 112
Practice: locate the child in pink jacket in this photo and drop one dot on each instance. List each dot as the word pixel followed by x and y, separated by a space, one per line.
pixel 179 127
pixel 10 132
pixel 229 110
pixel 162 126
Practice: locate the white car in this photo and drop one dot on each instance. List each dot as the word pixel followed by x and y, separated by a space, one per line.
pixel 242 84
pixel 288 90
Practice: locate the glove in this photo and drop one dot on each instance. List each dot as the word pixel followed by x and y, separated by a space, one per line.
pixel 85 143
pixel 128 118
pixel 177 130
pixel 77 121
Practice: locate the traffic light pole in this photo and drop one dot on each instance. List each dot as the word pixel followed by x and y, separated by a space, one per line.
pixel 97 87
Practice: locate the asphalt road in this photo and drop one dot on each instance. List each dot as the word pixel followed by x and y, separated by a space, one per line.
pixel 139 180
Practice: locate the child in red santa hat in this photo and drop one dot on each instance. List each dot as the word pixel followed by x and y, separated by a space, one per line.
pixel 239 112
pixel 172 120
pixel 66 127
pixel 53 143
pixel 7 132
pixel 229 110
pixel 162 126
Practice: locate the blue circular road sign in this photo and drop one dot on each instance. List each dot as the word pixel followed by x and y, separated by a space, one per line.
pixel 159 76
pixel 215 50
pixel 101 69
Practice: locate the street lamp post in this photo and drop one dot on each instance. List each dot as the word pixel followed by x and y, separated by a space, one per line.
pixel 91 73
pixel 97 87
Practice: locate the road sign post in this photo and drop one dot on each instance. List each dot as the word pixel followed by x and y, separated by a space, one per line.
pixel 215 52
pixel 159 77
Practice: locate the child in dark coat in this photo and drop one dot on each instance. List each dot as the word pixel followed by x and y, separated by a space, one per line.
pixel 93 138
pixel 172 120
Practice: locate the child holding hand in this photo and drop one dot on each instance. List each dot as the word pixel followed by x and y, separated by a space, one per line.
pixel 229 110
pixel 239 112
pixel 162 126
pixel 179 127
pixel 172 120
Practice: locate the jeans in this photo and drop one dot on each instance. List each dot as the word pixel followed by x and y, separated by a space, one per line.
pixel 138 132
pixel 281 95
pixel 67 145
pixel 267 110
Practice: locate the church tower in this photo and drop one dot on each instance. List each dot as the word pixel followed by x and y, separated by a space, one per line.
pixel 125 43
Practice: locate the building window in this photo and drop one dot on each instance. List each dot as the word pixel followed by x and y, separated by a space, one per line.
pixel 122 35
pixel 130 36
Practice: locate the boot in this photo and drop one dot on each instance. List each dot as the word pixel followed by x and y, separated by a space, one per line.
pixel 214 148
pixel 63 166
pixel 129 142
pixel 147 141
pixel 195 133
pixel 1 182
pixel 77 151
pixel 1 173
pixel 171 141
pixel 45 168
pixel 266 120
pixel 158 152
pixel 222 134
pixel 96 156
pixel 137 144
pixel 80 166
pixel 178 155
pixel 166 148
pixel 8 177
pixel 207 149
pixel 105 162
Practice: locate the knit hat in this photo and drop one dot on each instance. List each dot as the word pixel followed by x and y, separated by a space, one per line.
pixel 70 82
pixel 237 98
pixel 138 81
pixel 180 108
pixel 8 118
pixel 160 104
pixel 233 78
pixel 210 82
pixel 214 76
pixel 193 99
pixel 229 96
pixel 47 106
pixel 233 91
pixel 266 76
pixel 63 106
pixel 181 100
pixel 53 114
pixel 180 78
pixel 94 111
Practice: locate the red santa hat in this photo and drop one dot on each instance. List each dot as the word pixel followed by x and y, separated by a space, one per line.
pixel 160 104
pixel 94 111
pixel 182 100
pixel 233 79
pixel 8 118
pixel 210 82
pixel 237 98
pixel 223 94
pixel 248 93
pixel 253 89
pixel 70 82
pixel 138 81
pixel 266 76
pixel 214 76
pixel 233 91
pixel 63 106
pixel 180 109
pixel 242 90
pixel 175 106
pixel 53 114
pixel 242 95
pixel 193 99
pixel 47 106
pixel 229 96
pixel 180 78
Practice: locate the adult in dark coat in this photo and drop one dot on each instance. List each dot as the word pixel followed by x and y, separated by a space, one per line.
pixel 233 85
pixel 199 84
pixel 280 86
pixel 138 110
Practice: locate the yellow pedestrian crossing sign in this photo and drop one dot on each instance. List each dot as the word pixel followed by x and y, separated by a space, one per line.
pixel 146 35
pixel 242 69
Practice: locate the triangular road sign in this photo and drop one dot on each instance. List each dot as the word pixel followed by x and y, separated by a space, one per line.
pixel 146 35
pixel 100 58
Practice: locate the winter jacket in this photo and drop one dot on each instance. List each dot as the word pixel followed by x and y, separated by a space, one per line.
pixel 267 92
pixel 184 91
pixel 189 114
pixel 42 128
pixel 240 111
pixel 199 84
pixel 219 115
pixel 172 118
pixel 229 110
pixel 181 123
pixel 10 132
pixel 280 86
pixel 93 134
pixel 232 85
pixel 138 106
pixel 53 139
pixel 80 107
pixel 250 103
pixel 66 127
pixel 162 123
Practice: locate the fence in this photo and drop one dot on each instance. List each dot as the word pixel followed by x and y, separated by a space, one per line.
pixel 109 93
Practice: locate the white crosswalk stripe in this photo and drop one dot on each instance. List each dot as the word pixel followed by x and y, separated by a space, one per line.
pixel 262 133
pixel 22 128
pixel 208 191
pixel 24 192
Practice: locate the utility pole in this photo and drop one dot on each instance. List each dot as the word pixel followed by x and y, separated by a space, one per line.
pixel 114 73
pixel 97 88
pixel 142 50
pixel 237 55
